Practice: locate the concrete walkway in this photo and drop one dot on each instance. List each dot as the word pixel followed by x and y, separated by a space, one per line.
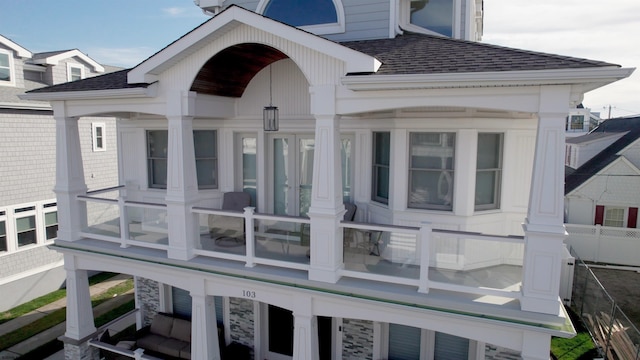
pixel 59 330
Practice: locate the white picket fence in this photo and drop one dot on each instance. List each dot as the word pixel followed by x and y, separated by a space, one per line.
pixel 603 244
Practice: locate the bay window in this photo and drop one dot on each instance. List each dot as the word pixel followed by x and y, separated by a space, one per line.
pixel 431 170
pixel 205 147
pixel 488 171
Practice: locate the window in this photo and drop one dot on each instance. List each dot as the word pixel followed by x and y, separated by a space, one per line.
pixel 577 122
pixel 75 72
pixel 205 147
pixel 429 16
pixel 616 216
pixel 26 227
pixel 97 135
pixel 381 162
pixel 613 216
pixel 3 236
pixel 317 16
pixel 407 342
pixel 431 170
pixel 488 171
pixel 50 223
pixel 6 61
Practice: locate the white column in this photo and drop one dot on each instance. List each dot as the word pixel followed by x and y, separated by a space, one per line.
pixel 305 324
pixel 204 329
pixel 536 346
pixel 544 227
pixel 326 210
pixel 182 183
pixel 79 310
pixel 72 214
pixel 465 172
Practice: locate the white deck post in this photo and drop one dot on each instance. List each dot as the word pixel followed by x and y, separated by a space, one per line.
pixel 326 209
pixel 305 337
pixel 182 183
pixel 204 329
pixel 544 226
pixel 72 214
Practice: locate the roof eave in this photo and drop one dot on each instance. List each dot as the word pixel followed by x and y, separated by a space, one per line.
pixel 128 93
pixel 55 59
pixel 589 78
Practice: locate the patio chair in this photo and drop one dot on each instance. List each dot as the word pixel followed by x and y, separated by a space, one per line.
pixel 227 227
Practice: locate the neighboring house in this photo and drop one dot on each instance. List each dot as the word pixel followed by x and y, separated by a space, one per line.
pixel 580 121
pixel 604 191
pixel 28 209
pixel 439 141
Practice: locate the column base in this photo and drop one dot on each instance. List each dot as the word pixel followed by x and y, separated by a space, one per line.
pixel 74 350
pixel 325 275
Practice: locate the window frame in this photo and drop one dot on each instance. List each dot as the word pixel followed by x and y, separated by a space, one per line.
pixel 3 221
pixel 71 67
pixel 404 18
pixel 497 185
pixel 318 29
pixel 23 213
pixel 10 67
pixel 95 137
pixel 375 167
pixel 609 209
pixel 572 123
pixel 49 208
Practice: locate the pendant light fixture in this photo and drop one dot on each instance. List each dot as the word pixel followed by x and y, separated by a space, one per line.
pixel 270 113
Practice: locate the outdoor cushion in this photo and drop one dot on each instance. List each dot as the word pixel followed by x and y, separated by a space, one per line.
pixel 181 330
pixel 172 347
pixel 151 342
pixel 126 344
pixel 185 353
pixel 161 325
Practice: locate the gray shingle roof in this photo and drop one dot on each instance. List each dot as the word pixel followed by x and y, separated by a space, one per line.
pixel 406 54
pixel 43 55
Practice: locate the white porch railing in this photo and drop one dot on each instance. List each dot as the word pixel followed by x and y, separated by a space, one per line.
pixel 416 256
pixel 604 244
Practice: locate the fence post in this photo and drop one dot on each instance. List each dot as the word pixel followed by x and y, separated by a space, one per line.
pixel 424 239
pixel 249 236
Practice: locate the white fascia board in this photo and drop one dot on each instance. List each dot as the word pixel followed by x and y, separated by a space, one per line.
pixel 25 106
pixel 596 77
pixel 22 52
pixel 148 70
pixel 55 59
pixel 92 94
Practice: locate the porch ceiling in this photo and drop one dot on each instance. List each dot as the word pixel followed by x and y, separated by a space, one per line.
pixel 228 73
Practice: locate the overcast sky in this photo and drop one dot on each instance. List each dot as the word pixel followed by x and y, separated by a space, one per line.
pixel 599 30
pixel 125 32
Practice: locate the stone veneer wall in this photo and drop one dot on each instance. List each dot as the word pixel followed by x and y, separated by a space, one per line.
pixel 493 352
pixel 357 339
pixel 148 293
pixel 80 352
pixel 241 321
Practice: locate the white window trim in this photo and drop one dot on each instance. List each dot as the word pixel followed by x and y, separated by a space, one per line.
pixel 10 217
pixel 46 210
pixel 94 136
pixel 3 218
pixel 625 214
pixel 318 29
pixel 12 70
pixel 74 66
pixel 404 19
pixel 427 344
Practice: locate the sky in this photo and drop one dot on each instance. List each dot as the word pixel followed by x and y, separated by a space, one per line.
pixel 125 32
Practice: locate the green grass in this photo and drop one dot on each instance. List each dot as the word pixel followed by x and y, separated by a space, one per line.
pixel 580 347
pixel 58 316
pixel 46 299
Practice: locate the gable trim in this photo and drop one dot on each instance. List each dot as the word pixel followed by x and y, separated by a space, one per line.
pixel 55 59
pixel 19 50
pixel 604 170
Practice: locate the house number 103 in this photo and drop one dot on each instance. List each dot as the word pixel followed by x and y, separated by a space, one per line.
pixel 249 294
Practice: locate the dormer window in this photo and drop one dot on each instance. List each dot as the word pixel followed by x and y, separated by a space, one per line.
pixel 431 16
pixel 316 16
pixel 6 67
pixel 75 72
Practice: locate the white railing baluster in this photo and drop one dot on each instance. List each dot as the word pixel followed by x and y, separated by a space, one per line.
pixel 249 236
pixel 424 240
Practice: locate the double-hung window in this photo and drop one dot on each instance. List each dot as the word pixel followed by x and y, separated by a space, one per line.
pixel 488 171
pixel 3 232
pixel 26 226
pixel 75 72
pixel 431 170
pixel 6 76
pixel 381 162
pixel 577 122
pixel 50 221
pixel 205 147
pixel 97 136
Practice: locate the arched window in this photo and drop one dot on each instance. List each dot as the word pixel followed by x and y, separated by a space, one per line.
pixel 317 16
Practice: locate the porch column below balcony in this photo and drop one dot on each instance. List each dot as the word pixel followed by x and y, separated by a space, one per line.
pixel 326 208
pixel 204 329
pixel 305 337
pixel 79 321
pixel 182 188
pixel 544 226
pixel 72 214
pixel 536 346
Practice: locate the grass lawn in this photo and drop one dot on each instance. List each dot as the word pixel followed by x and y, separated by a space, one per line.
pixel 579 347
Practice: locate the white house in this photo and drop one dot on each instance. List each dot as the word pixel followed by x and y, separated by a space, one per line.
pixel 580 121
pixel 28 209
pixel 452 151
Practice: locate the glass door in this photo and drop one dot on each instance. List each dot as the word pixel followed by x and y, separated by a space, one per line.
pixel 292 174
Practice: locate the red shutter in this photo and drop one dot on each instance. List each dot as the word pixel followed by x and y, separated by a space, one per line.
pixel 632 221
pixel 599 215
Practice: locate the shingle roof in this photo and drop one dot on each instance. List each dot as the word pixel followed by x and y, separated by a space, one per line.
pixel 590 137
pixel 631 125
pixel 412 53
pixel 406 54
